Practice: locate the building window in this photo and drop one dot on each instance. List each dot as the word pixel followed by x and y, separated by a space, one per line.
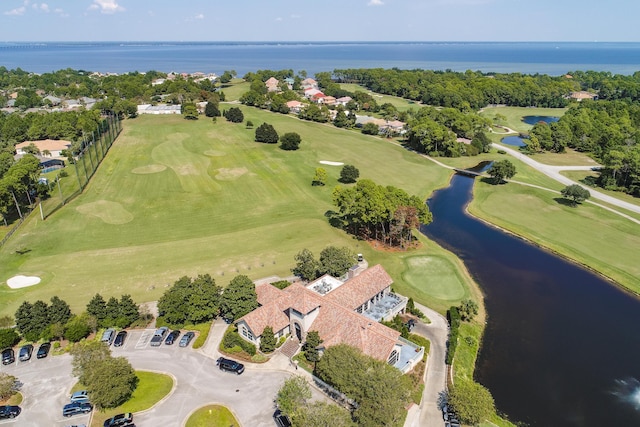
pixel 393 357
pixel 247 333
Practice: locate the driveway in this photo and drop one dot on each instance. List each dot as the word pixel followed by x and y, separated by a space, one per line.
pixel 428 414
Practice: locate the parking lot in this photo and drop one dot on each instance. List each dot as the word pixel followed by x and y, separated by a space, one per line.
pixel 198 382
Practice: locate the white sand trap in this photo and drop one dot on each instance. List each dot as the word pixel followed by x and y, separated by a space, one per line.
pixel 22 281
pixel 327 162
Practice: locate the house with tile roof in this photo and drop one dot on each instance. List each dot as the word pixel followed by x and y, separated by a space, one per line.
pixel 342 312
pixel 272 84
pixel 53 147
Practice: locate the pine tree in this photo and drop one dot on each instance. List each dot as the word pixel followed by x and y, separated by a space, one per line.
pixel 267 340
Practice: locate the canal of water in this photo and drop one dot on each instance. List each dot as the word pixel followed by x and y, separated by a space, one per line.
pixel 561 347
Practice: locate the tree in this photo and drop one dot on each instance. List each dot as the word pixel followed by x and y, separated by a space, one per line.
pixel 468 310
pixel 234 115
pixel 8 337
pixel 266 133
pixel 349 174
pixel 190 112
pixel 59 311
pixel 576 193
pixel 78 327
pixel 336 261
pixel 290 141
pixel 212 110
pixel 341 120
pixel 113 307
pixel 370 128
pixel 32 319
pixel 501 170
pixel 294 393
pixel 97 308
pixel 7 385
pixel 320 178
pixel 86 356
pixel 226 76
pixel 306 265
pixel 267 340
pixel 310 346
pixel 190 301
pixel 471 401
pixel 112 382
pixel 239 298
pixel 127 310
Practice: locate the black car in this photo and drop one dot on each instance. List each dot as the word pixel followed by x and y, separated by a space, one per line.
pixel 171 338
pixel 8 356
pixel 186 339
pixel 9 411
pixel 281 419
pixel 119 420
pixel 76 408
pixel 230 365
pixel 43 350
pixel 119 341
pixel 25 352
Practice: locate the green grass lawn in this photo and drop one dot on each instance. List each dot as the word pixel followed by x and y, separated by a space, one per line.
pixel 401 104
pixel 514 115
pixel 152 388
pixel 212 416
pixel 234 90
pixel 176 197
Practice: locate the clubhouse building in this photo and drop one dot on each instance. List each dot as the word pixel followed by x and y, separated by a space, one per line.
pixel 342 312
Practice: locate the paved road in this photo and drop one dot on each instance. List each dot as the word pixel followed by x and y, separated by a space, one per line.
pixel 554 173
pixel 428 414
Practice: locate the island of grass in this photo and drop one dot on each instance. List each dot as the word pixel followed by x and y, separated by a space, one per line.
pixel 152 388
pixel 212 416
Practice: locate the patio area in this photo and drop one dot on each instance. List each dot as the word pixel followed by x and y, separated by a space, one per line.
pixel 386 307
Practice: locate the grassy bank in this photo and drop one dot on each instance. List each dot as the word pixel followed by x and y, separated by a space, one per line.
pixel 212 416
pixel 514 115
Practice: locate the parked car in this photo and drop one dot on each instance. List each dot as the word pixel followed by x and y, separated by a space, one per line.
pixel 230 365
pixel 120 337
pixel 108 336
pixel 8 356
pixel 281 419
pixel 171 338
pixel 9 411
pixel 25 352
pixel 80 396
pixel 186 339
pixel 76 408
pixel 119 420
pixel 158 336
pixel 411 324
pixel 43 350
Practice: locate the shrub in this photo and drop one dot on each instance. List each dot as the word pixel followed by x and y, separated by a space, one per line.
pixel 349 174
pixel 266 133
pixel 290 141
pixel 232 339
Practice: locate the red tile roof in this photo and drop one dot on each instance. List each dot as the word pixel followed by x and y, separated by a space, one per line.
pixel 356 291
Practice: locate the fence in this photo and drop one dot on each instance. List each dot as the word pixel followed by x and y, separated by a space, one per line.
pixel 94 149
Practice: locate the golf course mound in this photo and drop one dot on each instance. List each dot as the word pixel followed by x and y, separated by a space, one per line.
pixel 143 170
pixel 109 212
pixel 214 153
pixel 229 174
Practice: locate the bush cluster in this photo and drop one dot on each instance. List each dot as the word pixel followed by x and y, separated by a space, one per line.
pixel 454 330
pixel 231 339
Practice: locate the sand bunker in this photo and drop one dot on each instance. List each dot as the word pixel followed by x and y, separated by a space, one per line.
pixel 22 281
pixel 327 162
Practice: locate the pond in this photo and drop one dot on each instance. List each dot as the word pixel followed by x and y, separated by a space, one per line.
pixel 561 346
pixel 532 120
pixel 515 141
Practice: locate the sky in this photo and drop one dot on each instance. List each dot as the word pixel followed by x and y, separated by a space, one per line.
pixel 315 20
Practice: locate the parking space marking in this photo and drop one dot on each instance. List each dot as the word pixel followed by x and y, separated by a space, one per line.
pixel 144 339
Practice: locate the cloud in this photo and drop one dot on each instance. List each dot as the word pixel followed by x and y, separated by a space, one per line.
pixel 61 12
pixel 197 17
pixel 43 7
pixel 279 19
pixel 16 12
pixel 296 16
pixel 106 6
pixel 375 3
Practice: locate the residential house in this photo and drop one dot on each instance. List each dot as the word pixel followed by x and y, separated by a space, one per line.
pixel 289 81
pixel 344 100
pixel 51 146
pixel 342 312
pixel 272 85
pixel 579 96
pixel 309 83
pixel 53 100
pixel 311 92
pixel 294 106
